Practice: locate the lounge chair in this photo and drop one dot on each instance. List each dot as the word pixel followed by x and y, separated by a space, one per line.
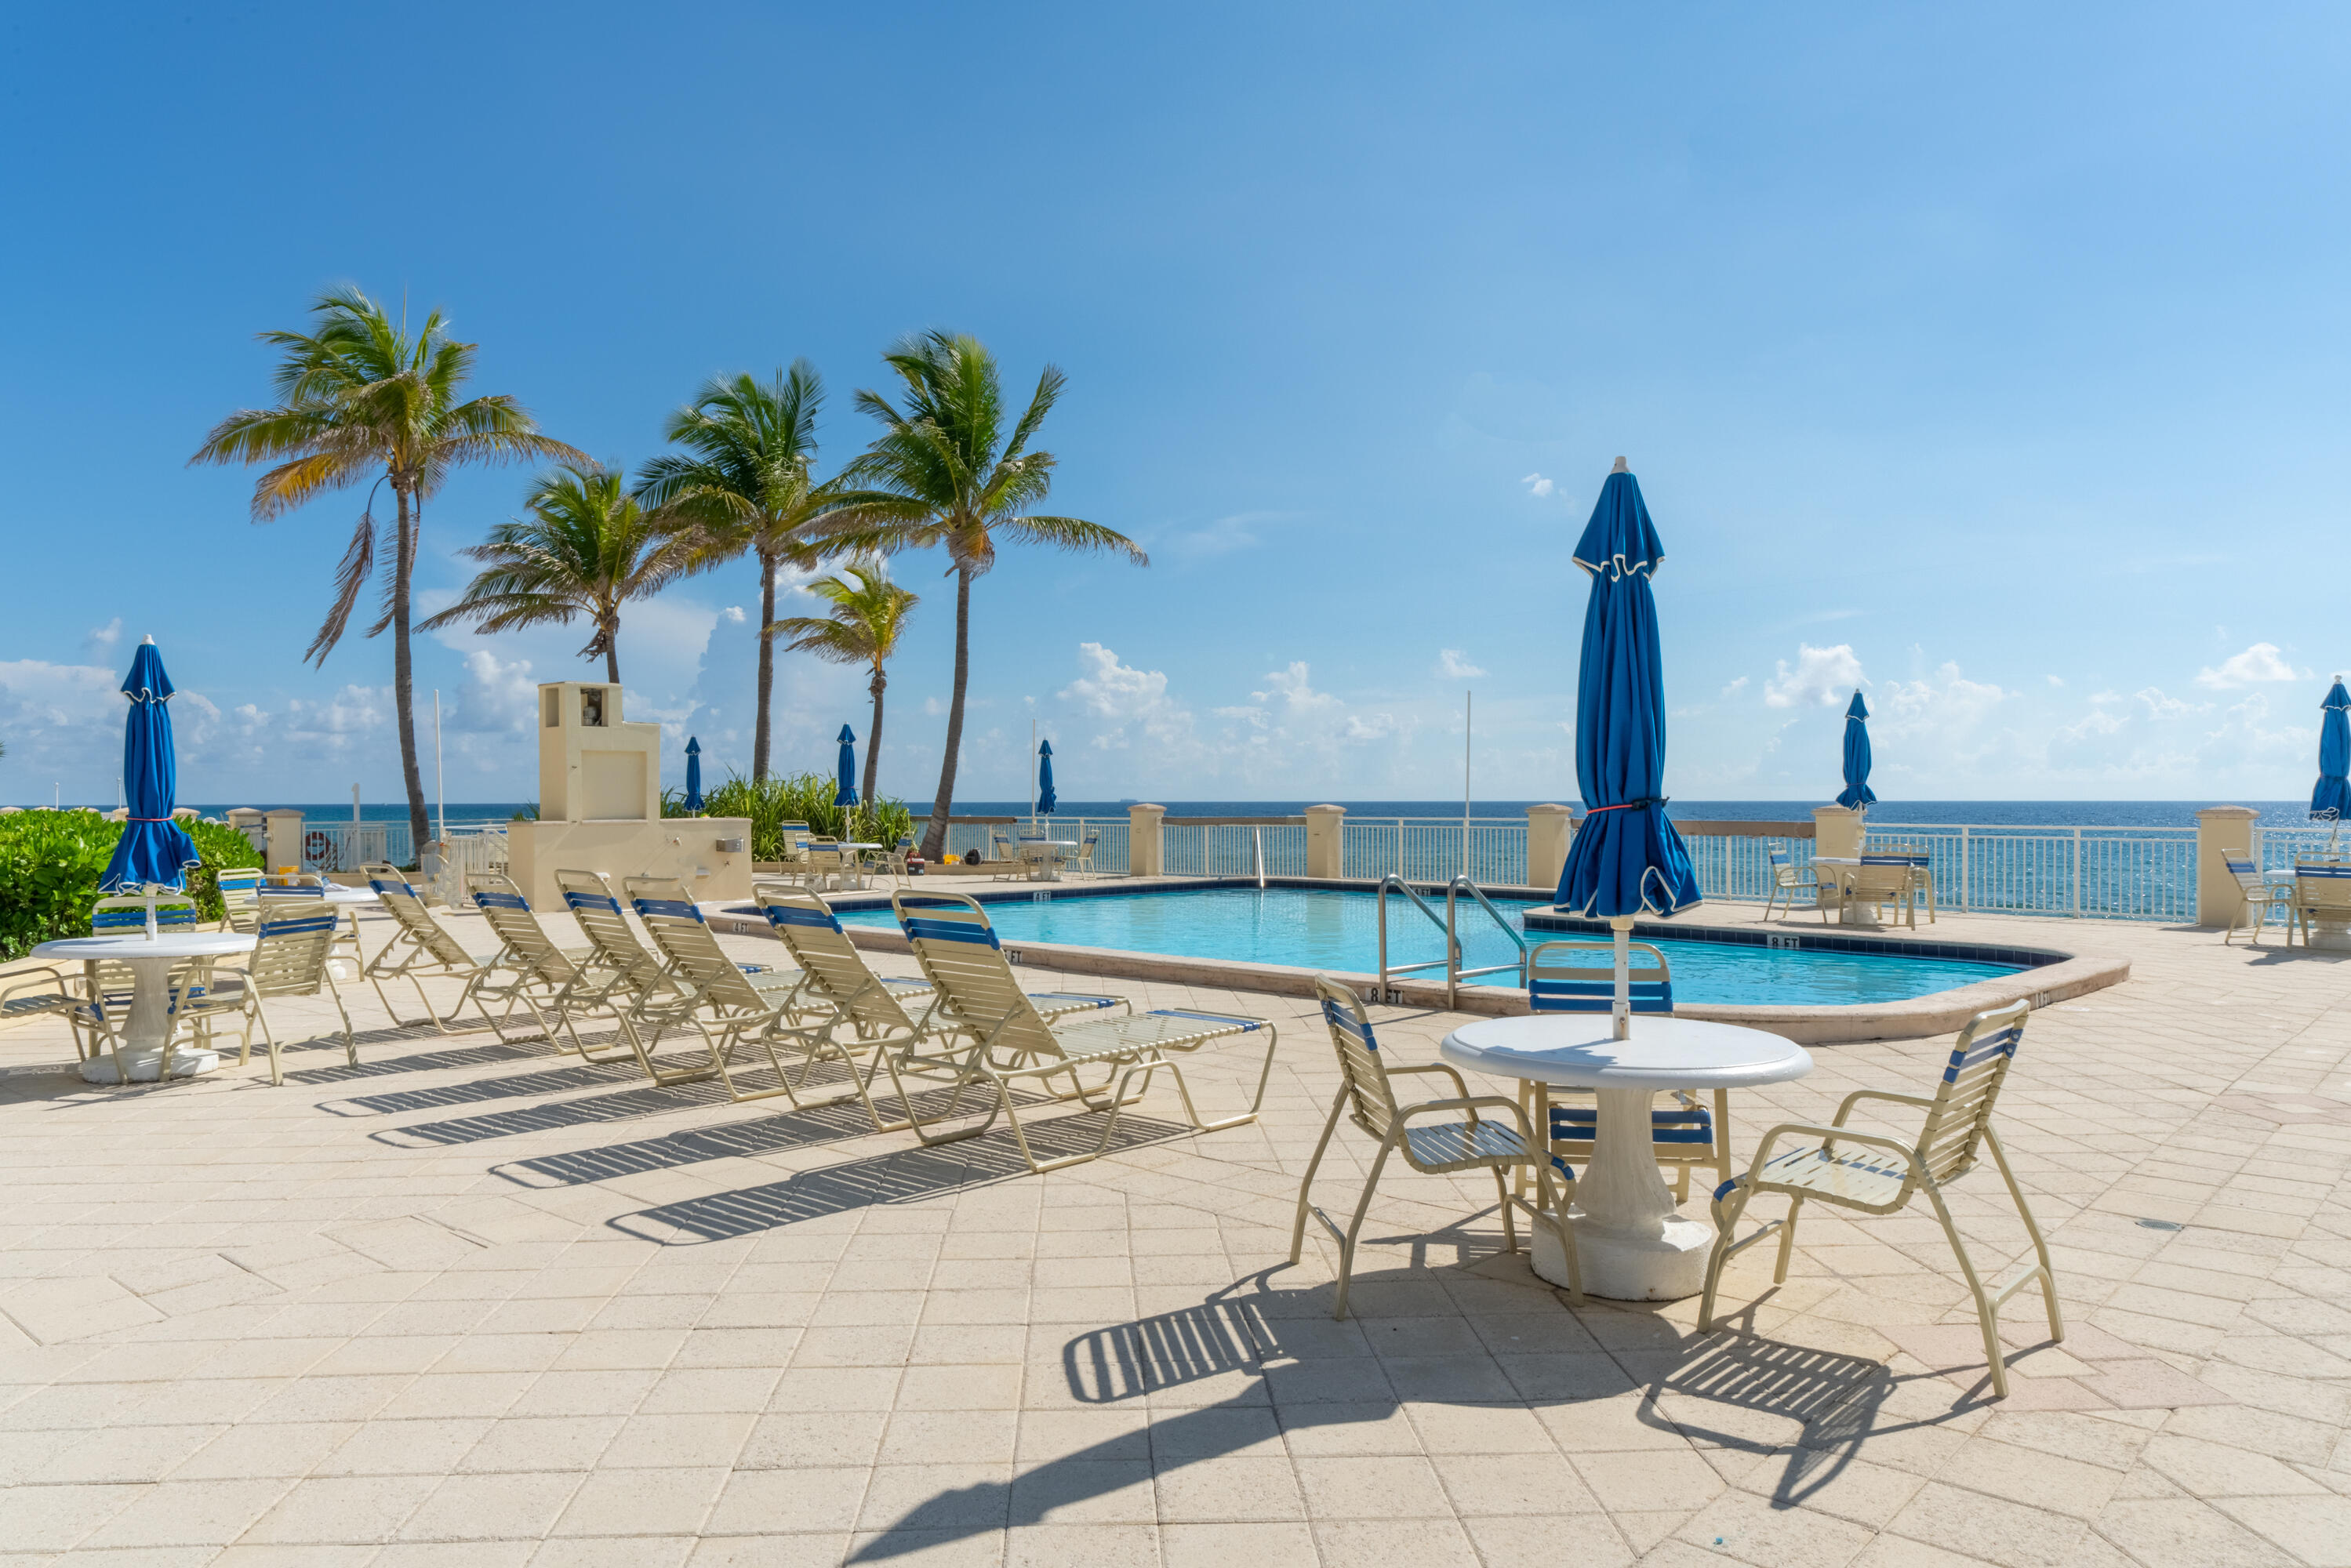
pixel 294 940
pixel 1479 1143
pixel 1006 1042
pixel 1686 1134
pixel 843 988
pixel 420 949
pixel 1786 881
pixel 1874 1173
pixel 2262 893
pixel 2322 892
pixel 550 982
pixel 722 1005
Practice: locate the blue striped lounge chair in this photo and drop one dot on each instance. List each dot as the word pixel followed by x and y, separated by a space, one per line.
pixel 240 891
pixel 2322 893
pixel 728 1009
pixel 548 982
pixel 1786 881
pixel 860 1011
pixel 1580 978
pixel 2261 895
pixel 421 948
pixel 1871 1173
pixel 984 1030
pixel 1503 1147
pixel 293 941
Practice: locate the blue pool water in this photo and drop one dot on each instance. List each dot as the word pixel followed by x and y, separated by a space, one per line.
pixel 1312 928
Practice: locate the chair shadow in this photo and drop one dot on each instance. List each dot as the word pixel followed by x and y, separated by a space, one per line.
pixel 578 1076
pixel 589 1111
pixel 901 1176
pixel 1834 1395
pixel 488 1053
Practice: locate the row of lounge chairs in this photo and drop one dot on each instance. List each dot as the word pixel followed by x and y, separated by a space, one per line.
pixel 2317 890
pixel 686 1011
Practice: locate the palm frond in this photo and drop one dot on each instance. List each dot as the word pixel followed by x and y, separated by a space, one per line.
pixel 1072 534
pixel 359 562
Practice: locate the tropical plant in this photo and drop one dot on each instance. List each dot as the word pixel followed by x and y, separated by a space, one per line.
pixel 362 399
pixel 945 472
pixel 768 803
pixel 50 862
pixel 744 481
pixel 868 616
pixel 586 550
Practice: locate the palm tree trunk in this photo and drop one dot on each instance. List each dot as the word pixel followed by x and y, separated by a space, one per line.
pixel 934 837
pixel 766 665
pixel 613 655
pixel 874 734
pixel 403 687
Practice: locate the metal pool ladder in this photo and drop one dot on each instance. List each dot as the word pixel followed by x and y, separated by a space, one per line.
pixel 1450 925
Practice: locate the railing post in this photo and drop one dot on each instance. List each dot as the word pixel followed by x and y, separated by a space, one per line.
pixel 1326 841
pixel 1145 851
pixel 1966 853
pixel 2077 874
pixel 1548 829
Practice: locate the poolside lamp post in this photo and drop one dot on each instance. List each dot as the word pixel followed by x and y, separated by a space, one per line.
pixel 1627 857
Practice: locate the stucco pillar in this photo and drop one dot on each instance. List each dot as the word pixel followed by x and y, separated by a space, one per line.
pixel 1143 856
pixel 253 824
pixel 284 836
pixel 1836 831
pixel 2221 829
pixel 1548 830
pixel 1326 841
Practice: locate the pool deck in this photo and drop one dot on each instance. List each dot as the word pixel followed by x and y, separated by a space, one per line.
pixel 2064 967
pixel 484 1305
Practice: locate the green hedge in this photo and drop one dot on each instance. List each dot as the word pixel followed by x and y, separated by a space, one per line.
pixel 796 797
pixel 50 862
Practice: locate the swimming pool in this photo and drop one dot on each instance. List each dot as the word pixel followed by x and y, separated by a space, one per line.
pixel 1337 929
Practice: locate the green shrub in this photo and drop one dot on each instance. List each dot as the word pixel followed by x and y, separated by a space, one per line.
pixel 50 862
pixel 796 797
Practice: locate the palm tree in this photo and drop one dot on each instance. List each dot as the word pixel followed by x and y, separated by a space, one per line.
pixel 862 628
pixel 362 399
pixel 944 471
pixel 745 480
pixel 586 548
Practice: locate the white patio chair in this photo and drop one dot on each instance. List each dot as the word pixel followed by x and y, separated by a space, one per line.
pixel 1874 1173
pixel 2262 893
pixel 1479 1142
pixel 2322 892
pixel 1786 881
pixel 293 941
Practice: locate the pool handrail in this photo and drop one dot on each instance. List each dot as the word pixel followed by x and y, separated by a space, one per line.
pixel 1452 947
pixel 1455 975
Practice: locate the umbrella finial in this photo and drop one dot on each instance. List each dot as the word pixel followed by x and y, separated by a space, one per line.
pixel 1620 467
pixel 148 639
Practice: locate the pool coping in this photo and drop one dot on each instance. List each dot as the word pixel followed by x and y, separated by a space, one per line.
pixel 2050 974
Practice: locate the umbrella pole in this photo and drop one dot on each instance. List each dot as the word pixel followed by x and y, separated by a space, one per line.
pixel 1621 1013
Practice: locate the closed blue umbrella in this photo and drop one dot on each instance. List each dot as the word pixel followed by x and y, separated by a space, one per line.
pixel 1858 792
pixel 1045 801
pixel 694 775
pixel 152 848
pixel 1627 858
pixel 2333 791
pixel 847 794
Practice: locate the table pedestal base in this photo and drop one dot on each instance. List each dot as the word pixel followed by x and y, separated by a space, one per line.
pixel 1666 1267
pixel 145 1064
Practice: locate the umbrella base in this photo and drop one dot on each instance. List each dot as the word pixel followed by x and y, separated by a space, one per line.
pixel 1666 1267
pixel 143 1065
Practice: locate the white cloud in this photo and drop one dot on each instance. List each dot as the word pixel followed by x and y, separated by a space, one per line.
pixel 499 695
pixel 1294 688
pixel 1821 675
pixel 1735 687
pixel 2055 680
pixel 1537 486
pixel 1130 702
pixel 2257 664
pixel 2159 706
pixel 733 615
pixel 102 639
pixel 1455 665
pixel 1240 531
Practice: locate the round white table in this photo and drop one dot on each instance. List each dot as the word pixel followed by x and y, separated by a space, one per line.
pixel 1045 856
pixel 1630 1243
pixel 149 1023
pixel 333 892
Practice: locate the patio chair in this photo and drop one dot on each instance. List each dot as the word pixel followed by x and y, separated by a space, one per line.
pixel 619 956
pixel 1008 1042
pixel 549 981
pixel 43 990
pixel 895 857
pixel 1922 872
pixel 1086 845
pixel 313 886
pixel 952 908
pixel 421 948
pixel 2322 892
pixel 240 890
pixel 825 862
pixel 1685 1134
pixel 1479 1143
pixel 108 985
pixel 1872 1173
pixel 720 1003
pixel 1786 881
pixel 839 982
pixel 295 938
pixel 1879 881
pixel 2262 893
pixel 1003 859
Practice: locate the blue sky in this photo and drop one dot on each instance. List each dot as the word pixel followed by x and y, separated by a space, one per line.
pixel 1991 357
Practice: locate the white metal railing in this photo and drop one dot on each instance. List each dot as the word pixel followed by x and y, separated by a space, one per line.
pixel 1429 849
pixel 2275 849
pixel 1109 850
pixel 484 851
pixel 347 846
